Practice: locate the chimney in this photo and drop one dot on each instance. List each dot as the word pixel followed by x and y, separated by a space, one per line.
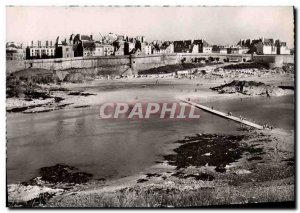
pixel 31 43
pixel 91 36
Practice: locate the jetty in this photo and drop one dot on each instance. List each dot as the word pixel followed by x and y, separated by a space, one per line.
pixel 224 115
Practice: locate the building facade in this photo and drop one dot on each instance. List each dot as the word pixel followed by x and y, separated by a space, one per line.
pixel 182 46
pixel 128 47
pixel 40 50
pixel 119 50
pixel 15 52
pixel 266 47
pixel 282 48
pixel 64 49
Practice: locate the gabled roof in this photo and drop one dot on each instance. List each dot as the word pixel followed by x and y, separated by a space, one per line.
pixel 201 42
pixel 12 45
pixel 165 45
pixel 185 43
pixel 120 48
pixel 135 50
pixel 88 45
pixel 85 37
pixel 279 43
pixel 64 43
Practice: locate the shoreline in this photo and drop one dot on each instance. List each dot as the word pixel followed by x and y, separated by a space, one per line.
pixel 98 91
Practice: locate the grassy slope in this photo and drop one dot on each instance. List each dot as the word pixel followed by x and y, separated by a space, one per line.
pixel 161 196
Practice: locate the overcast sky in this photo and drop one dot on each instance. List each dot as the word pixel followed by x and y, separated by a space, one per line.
pixel 217 25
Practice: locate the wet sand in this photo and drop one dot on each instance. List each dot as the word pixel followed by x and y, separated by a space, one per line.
pixel 101 90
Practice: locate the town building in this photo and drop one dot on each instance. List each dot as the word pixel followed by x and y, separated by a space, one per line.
pixel 145 48
pixel 99 49
pixel 266 47
pixel 141 39
pixel 238 50
pixel 165 48
pixel 119 50
pixel 136 52
pixel 220 49
pixel 128 47
pixel 108 49
pixel 249 44
pixel 40 50
pixel 64 49
pixel 15 51
pixel 84 46
pixel 202 46
pixel 282 48
pixel 192 46
pixel 182 46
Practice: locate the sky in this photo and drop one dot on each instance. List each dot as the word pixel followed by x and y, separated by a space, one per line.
pixel 217 25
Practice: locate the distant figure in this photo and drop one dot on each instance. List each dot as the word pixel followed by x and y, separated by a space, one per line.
pixel 156 81
pixel 212 108
pixel 268 95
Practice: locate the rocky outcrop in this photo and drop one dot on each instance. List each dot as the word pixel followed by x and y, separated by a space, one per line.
pixel 249 88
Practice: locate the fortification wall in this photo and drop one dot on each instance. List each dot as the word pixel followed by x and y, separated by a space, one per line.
pixel 274 60
pixel 14 66
pixel 139 63
pixel 190 56
pixel 78 62
pixel 114 64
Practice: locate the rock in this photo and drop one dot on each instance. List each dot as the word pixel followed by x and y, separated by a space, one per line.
pixel 249 88
pixel 242 171
pixel 21 194
pixel 63 174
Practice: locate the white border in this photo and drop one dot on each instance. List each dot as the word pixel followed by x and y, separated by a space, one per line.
pixel 4 3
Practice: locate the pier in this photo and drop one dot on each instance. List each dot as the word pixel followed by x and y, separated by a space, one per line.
pixel 224 115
